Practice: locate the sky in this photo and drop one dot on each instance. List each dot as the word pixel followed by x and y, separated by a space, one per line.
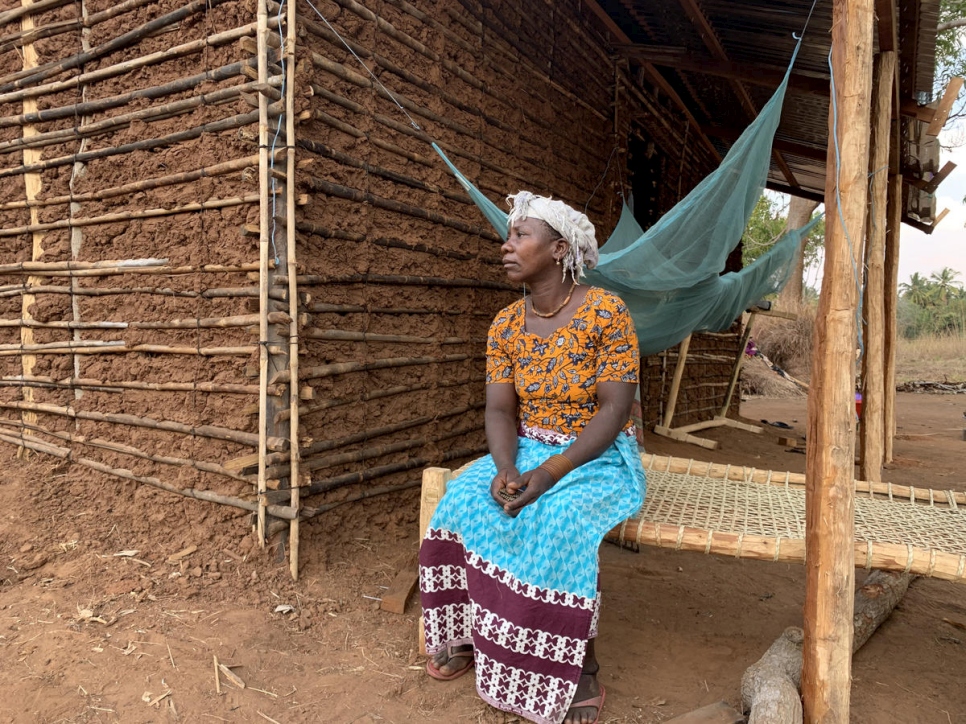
pixel 946 246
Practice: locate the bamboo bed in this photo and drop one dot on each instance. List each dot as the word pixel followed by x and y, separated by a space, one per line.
pixel 747 513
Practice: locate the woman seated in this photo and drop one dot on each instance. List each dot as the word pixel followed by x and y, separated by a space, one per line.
pixel 509 567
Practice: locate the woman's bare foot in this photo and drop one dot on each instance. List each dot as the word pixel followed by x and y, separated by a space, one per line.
pixel 453 660
pixel 587 689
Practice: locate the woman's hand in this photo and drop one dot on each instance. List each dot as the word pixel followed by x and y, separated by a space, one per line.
pixel 530 486
pixel 501 481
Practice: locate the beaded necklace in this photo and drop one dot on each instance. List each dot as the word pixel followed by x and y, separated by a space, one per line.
pixel 557 310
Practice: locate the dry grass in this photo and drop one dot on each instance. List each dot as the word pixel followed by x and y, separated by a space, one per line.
pixel 759 379
pixel 933 359
pixel 787 343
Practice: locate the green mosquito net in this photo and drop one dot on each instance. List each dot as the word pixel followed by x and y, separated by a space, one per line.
pixel 670 276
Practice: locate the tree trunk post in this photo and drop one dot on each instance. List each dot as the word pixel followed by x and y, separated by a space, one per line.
pixel 890 310
pixel 873 386
pixel 829 514
pixel 799 213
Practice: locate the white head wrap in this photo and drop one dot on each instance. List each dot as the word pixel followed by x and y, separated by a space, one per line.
pixel 572 225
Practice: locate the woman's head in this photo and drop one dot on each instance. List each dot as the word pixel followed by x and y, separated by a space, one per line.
pixel 558 221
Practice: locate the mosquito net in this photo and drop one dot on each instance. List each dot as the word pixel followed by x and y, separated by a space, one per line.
pixel 670 276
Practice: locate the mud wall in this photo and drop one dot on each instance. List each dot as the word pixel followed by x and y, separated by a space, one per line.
pixel 127 153
pixel 519 95
pixel 130 215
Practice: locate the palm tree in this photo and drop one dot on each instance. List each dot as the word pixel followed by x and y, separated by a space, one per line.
pixel 945 285
pixel 917 290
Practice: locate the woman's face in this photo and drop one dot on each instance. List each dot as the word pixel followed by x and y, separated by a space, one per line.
pixel 531 249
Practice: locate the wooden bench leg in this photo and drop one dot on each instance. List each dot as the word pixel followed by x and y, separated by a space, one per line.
pixel 434 487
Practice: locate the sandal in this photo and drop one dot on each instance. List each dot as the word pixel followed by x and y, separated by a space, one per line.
pixel 451 653
pixel 594 701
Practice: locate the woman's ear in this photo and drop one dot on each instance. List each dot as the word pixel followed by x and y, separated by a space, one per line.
pixel 560 249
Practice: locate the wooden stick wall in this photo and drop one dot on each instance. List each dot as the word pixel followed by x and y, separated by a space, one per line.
pixel 129 151
pixel 229 259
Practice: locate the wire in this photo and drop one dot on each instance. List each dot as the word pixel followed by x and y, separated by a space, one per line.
pixel 371 74
pixel 602 177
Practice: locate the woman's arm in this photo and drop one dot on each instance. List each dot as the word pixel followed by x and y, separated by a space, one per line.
pixel 615 400
pixel 501 436
pixel 501 424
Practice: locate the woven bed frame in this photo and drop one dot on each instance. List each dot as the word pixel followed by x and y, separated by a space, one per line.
pixel 748 513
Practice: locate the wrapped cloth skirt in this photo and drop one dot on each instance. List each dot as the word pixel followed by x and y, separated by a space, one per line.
pixel 524 591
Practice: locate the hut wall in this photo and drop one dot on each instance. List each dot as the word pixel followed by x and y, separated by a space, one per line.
pixel 130 225
pixel 391 244
pixel 112 364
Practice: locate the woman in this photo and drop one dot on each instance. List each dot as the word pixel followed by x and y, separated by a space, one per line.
pixel 508 568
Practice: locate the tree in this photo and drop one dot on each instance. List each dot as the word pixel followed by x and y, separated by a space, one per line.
pixel 944 285
pixel 917 290
pixel 770 219
pixel 800 213
pixel 950 47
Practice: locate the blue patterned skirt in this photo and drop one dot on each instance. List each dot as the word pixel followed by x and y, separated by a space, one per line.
pixel 524 591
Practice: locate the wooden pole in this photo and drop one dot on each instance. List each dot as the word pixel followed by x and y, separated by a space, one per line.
pixel 890 309
pixel 873 386
pixel 143 185
pixel 195 46
pixel 672 396
pixel 222 124
pixel 34 74
pixel 201 465
pixel 35 226
pixel 829 515
pixel 105 386
pixel 263 243
pixel 295 480
pixel 216 433
pixel 100 105
pixel 124 120
pixel 33 186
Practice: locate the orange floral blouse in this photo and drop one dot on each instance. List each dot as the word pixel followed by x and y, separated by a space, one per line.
pixel 556 376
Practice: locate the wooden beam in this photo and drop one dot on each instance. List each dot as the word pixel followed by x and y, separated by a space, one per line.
pixel 945 106
pixel 710 37
pixel 654 74
pixel 730 133
pixel 873 369
pixel 769 76
pixel 888 25
pixel 804 193
pixel 890 310
pixel 925 228
pixel 932 184
pixel 830 454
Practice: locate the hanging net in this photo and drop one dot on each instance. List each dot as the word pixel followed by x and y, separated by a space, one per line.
pixel 670 276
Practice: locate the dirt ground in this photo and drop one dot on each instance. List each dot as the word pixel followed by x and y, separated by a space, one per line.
pixel 97 625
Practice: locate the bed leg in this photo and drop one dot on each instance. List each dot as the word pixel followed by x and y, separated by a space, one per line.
pixel 434 486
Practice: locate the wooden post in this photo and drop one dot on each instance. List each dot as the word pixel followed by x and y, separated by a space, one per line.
pixel 263 280
pixel 33 185
pixel 672 398
pixel 736 370
pixel 433 490
pixel 890 305
pixel 830 456
pixel 293 297
pixel 873 387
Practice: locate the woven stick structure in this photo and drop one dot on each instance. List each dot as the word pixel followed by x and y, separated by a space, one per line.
pixel 760 514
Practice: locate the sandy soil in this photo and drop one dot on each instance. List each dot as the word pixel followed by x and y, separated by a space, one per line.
pixel 96 624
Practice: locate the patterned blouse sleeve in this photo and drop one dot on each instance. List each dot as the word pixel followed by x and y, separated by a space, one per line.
pixel 499 365
pixel 619 353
